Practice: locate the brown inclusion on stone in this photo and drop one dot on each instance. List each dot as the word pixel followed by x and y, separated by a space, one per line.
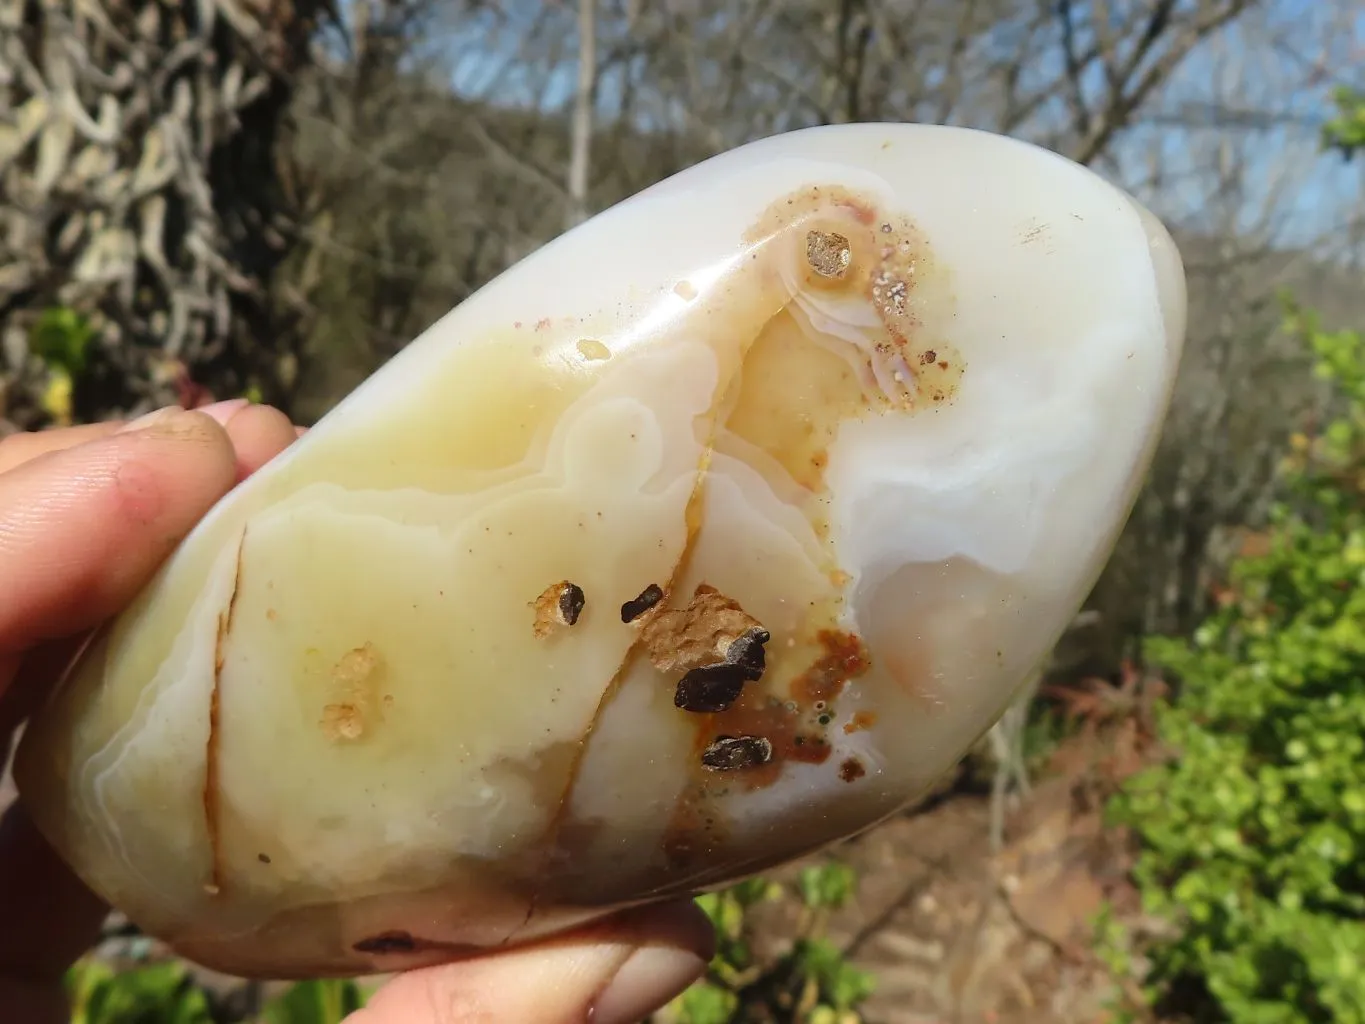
pixel 785 390
pixel 828 253
pixel 696 830
pixel 732 753
pixel 637 606
pixel 559 605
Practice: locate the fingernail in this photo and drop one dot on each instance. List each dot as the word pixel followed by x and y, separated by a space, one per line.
pixel 649 978
pixel 151 419
pixel 221 412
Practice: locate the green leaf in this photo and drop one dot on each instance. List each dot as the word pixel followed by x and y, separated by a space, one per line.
pixel 161 993
pixel 315 1002
pixel 61 339
pixel 704 1003
pixel 827 885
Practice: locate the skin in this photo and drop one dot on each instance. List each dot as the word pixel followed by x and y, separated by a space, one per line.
pixel 87 515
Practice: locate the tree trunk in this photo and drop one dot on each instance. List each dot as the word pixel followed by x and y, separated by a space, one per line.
pixel 144 215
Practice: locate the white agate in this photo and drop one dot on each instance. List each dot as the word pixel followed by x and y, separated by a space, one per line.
pixel 889 390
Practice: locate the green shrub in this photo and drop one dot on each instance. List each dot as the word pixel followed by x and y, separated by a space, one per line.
pixel 1253 835
pixel 165 993
pixel 809 983
pixel 315 1002
pixel 61 340
pixel 1346 131
pixel 161 993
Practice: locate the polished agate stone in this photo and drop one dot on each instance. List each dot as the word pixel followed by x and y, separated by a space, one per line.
pixel 714 531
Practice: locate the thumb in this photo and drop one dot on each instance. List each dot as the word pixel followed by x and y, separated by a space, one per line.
pixel 617 971
pixel 81 530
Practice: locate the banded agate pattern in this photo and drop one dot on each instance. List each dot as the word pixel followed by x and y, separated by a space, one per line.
pixel 714 531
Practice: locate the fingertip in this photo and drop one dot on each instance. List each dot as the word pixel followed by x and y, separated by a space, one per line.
pixel 174 468
pixel 222 412
pixel 83 528
pixel 617 971
pixel 677 942
pixel 258 433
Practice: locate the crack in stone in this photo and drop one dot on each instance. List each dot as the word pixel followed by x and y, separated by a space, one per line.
pixel 212 796
pixel 718 416
pixel 692 524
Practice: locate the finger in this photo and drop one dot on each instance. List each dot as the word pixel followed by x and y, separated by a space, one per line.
pixel 617 972
pixel 257 436
pixel 261 434
pixel 50 916
pixel 17 449
pixel 258 433
pixel 81 530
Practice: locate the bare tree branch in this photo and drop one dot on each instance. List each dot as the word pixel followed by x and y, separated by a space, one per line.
pixel 581 138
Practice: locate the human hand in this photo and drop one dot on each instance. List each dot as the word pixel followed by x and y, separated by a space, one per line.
pixel 87 515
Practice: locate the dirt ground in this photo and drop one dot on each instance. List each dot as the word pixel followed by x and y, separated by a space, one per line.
pixel 955 935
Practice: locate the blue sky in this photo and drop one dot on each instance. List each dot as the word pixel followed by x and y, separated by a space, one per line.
pixel 1262 90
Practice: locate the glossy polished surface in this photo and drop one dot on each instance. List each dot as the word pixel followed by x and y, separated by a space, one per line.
pixel 714 531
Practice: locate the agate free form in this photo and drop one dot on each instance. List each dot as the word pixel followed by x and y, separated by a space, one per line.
pixel 712 532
